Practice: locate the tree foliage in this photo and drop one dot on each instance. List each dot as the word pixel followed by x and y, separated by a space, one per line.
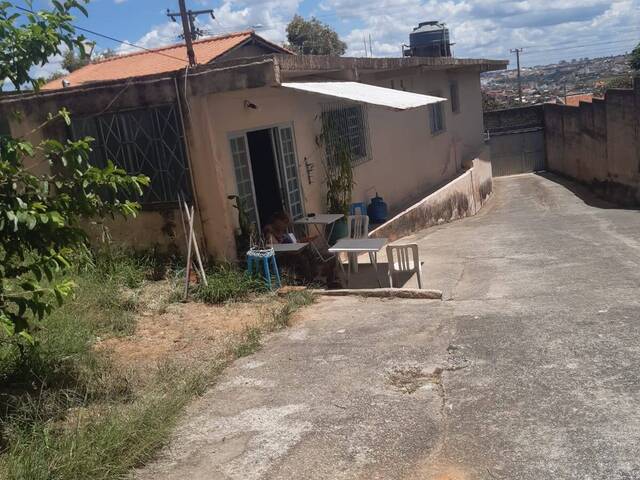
pixel 312 37
pixel 634 61
pixel 72 61
pixel 41 214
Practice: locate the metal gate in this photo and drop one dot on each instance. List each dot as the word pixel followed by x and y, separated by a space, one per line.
pixel 516 152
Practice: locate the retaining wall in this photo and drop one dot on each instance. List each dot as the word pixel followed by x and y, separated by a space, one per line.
pixel 462 197
pixel 598 144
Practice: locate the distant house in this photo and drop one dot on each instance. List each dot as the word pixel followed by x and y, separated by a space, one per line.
pixel 575 99
pixel 247 121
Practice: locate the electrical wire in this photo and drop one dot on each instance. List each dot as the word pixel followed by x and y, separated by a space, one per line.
pixel 553 49
pixel 123 42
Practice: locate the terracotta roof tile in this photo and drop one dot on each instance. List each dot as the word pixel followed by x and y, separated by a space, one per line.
pixel 159 60
pixel 574 100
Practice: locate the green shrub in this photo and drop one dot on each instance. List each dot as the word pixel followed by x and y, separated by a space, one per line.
pixel 228 283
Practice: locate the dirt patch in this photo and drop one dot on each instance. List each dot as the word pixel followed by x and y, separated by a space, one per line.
pixel 183 332
pixel 410 379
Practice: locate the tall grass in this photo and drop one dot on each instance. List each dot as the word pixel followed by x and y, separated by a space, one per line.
pixel 225 283
pixel 67 413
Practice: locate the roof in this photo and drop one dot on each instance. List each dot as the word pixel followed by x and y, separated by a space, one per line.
pixel 304 65
pixel 365 93
pixel 159 60
pixel 574 100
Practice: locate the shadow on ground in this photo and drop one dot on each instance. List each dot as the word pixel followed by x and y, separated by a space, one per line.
pixel 583 192
pixel 366 277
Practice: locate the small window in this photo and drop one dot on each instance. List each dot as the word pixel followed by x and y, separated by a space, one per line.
pixel 436 118
pixel 393 84
pixel 402 85
pixel 454 97
pixel 346 127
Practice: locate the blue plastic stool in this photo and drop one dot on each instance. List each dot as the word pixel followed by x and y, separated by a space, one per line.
pixel 353 210
pixel 267 257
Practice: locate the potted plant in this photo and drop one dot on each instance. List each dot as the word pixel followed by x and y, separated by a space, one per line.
pixel 339 177
pixel 245 232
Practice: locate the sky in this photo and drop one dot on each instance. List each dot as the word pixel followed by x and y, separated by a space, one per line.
pixel 547 31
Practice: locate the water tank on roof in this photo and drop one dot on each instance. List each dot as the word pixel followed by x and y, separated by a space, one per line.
pixel 429 39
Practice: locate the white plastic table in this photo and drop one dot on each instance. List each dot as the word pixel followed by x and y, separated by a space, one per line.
pixel 288 247
pixel 324 220
pixel 360 245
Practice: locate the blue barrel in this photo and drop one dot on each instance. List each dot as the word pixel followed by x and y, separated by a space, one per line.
pixel 377 210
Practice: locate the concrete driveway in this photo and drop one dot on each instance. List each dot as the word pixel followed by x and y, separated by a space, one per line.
pixel 528 370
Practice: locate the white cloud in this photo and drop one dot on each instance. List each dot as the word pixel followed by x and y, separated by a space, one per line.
pixel 479 28
pixel 158 36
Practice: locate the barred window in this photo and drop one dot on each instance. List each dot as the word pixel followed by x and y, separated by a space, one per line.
pixel 346 128
pixel 146 141
pixel 436 118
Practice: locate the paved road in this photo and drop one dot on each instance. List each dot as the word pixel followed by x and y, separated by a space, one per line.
pixel 528 370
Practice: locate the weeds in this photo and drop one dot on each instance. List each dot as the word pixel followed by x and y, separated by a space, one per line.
pixel 227 283
pixel 249 344
pixel 280 317
pixel 67 413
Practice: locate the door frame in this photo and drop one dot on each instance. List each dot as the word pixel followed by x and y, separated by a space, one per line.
pixel 277 155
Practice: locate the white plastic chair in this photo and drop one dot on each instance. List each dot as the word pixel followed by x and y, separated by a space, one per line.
pixel 357 227
pixel 404 258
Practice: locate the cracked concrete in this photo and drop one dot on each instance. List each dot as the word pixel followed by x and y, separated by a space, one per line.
pixel 530 370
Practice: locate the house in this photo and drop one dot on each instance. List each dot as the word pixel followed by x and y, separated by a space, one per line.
pixel 249 123
pixel 169 59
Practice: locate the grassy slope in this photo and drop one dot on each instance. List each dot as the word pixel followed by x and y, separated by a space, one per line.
pixel 67 413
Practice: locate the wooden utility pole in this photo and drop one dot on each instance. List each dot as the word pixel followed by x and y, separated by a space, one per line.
pixel 189 30
pixel 517 51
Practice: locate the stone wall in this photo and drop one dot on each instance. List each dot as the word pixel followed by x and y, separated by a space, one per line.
pixel 461 197
pixel 598 144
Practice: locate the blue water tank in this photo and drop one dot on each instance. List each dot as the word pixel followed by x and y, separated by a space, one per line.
pixel 377 210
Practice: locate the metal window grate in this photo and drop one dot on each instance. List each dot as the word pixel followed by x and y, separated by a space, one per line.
pixel 436 118
pixel 146 141
pixel 346 126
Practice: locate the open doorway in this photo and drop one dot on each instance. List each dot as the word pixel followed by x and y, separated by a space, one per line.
pixel 266 171
pixel 269 199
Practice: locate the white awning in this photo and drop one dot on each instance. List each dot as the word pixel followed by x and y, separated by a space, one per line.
pixel 364 93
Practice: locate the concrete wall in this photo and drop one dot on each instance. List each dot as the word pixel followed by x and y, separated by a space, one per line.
pixel 464 129
pixel 461 197
pixel 598 143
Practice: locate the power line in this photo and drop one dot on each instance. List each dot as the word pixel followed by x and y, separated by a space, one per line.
pixel 609 42
pixel 124 42
pixel 113 39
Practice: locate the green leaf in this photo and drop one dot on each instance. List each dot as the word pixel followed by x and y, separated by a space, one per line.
pixel 27 336
pixel 7 325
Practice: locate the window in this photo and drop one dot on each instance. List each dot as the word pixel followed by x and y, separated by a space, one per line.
pixel 454 97
pixel 346 127
pixel 147 141
pixel 436 117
